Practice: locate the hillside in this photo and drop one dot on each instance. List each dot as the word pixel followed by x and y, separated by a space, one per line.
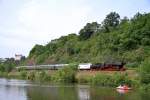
pixel 115 39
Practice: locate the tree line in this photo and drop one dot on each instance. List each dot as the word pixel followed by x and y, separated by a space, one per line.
pixel 114 39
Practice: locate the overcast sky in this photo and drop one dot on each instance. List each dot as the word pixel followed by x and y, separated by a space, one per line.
pixel 24 23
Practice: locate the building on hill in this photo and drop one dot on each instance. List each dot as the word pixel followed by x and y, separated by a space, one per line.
pixel 19 57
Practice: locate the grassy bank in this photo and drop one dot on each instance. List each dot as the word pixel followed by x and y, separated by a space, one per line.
pixel 68 75
pixel 108 78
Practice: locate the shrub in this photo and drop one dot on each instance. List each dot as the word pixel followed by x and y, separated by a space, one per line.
pixel 122 79
pixel 42 76
pixel 74 66
pixel 145 71
pixel 31 75
pixel 21 69
pixel 23 74
pixel 145 87
pixel 66 74
pixel 84 79
pixel 103 80
pixel 111 80
pixel 132 65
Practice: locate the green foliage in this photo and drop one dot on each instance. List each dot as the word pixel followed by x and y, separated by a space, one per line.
pixel 145 87
pixel 37 50
pixel 145 71
pixel 111 20
pixel 40 59
pixel 2 68
pixel 122 79
pixel 88 30
pixel 35 75
pixel 125 40
pixel 84 80
pixel 111 80
pixel 132 65
pixel 42 76
pixel 23 74
pixel 103 80
pixel 8 65
pixel 66 74
pixel 31 75
pixel 74 66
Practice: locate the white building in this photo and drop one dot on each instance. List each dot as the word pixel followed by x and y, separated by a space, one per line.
pixel 18 57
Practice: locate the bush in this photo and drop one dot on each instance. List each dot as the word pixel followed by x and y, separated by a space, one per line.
pixel 84 79
pixel 145 71
pixel 2 68
pixel 21 69
pixel 103 80
pixel 145 87
pixel 42 76
pixel 111 80
pixel 132 65
pixel 122 79
pixel 74 66
pixel 23 74
pixel 31 75
pixel 66 74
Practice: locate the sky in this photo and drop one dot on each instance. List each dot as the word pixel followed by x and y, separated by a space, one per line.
pixel 24 23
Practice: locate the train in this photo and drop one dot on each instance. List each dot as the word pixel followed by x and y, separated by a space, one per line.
pixel 81 66
pixel 119 66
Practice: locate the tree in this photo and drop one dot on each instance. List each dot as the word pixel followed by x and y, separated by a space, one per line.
pixel 136 16
pixel 124 20
pixel 111 20
pixel 37 50
pixel 8 65
pixel 88 30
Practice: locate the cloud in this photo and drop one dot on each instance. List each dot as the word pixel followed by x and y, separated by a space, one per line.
pixel 39 21
pixel 24 23
pixel 45 21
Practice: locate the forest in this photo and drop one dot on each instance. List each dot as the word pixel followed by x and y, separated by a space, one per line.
pixel 114 39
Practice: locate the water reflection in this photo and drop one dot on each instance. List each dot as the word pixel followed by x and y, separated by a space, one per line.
pixel 25 90
pixel 8 92
pixel 84 92
pixel 122 91
pixel 53 92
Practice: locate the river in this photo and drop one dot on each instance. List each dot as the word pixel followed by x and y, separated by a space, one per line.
pixel 11 89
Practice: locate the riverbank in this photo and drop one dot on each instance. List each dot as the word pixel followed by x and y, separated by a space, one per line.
pixel 101 78
pixel 71 74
